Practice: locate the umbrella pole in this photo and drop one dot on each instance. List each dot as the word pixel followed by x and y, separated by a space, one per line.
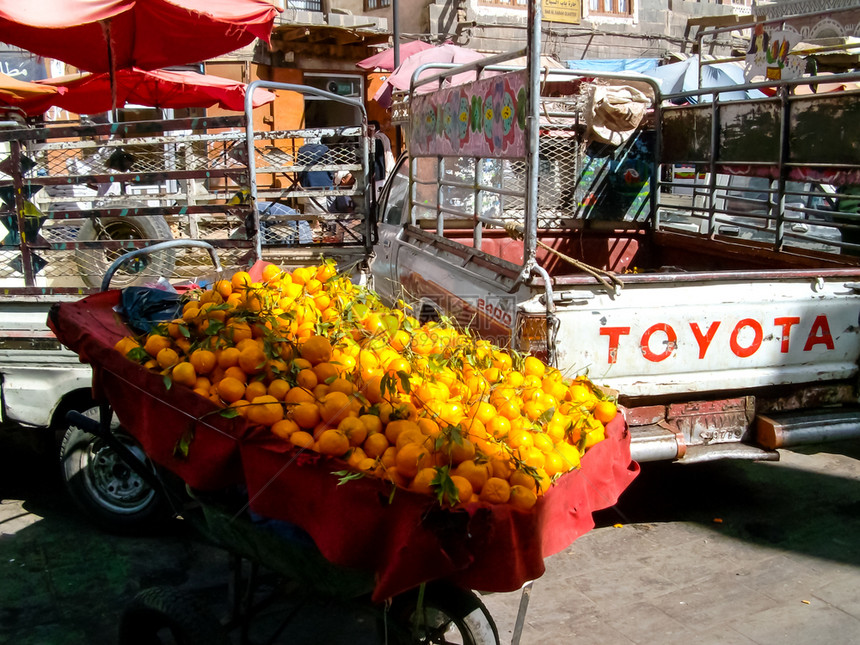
pixel 111 71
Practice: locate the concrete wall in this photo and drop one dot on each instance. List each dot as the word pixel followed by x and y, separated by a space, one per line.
pixel 656 27
pixel 412 14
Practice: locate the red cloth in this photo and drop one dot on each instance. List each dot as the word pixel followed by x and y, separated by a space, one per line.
pixel 156 416
pixel 411 540
pixel 92 93
pixel 405 541
pixel 149 34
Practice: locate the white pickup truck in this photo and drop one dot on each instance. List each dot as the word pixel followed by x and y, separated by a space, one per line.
pixel 189 180
pixel 726 331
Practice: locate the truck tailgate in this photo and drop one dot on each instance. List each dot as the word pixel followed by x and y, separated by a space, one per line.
pixel 688 335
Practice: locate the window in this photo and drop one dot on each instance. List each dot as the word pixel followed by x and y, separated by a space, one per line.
pixel 610 7
pixel 507 4
pixel 376 4
pixel 305 5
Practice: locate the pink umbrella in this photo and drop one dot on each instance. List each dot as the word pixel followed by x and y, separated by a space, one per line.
pixel 91 93
pixel 101 35
pixel 402 76
pixel 385 58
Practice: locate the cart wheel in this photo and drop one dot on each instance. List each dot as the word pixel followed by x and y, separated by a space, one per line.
pixel 101 484
pixel 450 615
pixel 164 615
pixel 94 263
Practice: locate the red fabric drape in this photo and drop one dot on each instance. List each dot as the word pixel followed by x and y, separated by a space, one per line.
pixel 404 539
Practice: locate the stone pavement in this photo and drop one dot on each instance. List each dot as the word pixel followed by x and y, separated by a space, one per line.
pixel 727 553
pixel 712 554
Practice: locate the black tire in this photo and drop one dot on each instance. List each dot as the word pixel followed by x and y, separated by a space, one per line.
pixel 94 263
pixel 164 615
pixel 103 486
pixel 450 615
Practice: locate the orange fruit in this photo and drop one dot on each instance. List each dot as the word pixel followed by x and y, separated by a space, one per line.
pixel 228 357
pixel 605 411
pixel 316 349
pixel 334 407
pixel 342 385
pixel 423 481
pixel 496 491
pixel 155 343
pixel 236 373
pixel 522 498
pixel 306 379
pixel 306 415
pixel 278 388
pixel 569 455
pixel 299 395
pixel 203 361
pixel 302 439
pixel 394 428
pixel 464 491
pixel 326 372
pixel 184 374
pixel 333 443
pixel 411 458
pixel 167 357
pixel 284 428
pixel 252 360
pixel 255 389
pixel 354 430
pixel 499 426
pixel 240 281
pixel 270 272
pixel 223 287
pixel 230 389
pixel 521 478
pixel 264 410
pixel 375 445
pixel 237 330
pixel 534 366
pixel 477 474
pixel 372 422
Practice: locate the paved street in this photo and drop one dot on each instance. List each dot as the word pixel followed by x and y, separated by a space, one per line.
pixel 722 553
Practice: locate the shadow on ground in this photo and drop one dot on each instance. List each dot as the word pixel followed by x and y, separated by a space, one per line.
pixel 776 504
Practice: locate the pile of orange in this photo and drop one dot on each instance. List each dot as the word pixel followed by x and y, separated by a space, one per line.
pixel 325 365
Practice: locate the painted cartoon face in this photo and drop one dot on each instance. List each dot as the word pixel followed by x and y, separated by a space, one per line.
pixel 430 123
pixel 489 115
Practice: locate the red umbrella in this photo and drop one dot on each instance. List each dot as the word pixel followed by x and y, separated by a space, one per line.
pixel 385 58
pixel 101 35
pixel 91 93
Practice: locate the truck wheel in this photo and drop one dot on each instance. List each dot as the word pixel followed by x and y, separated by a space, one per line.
pixel 102 485
pixel 93 263
pixel 450 615
pixel 165 615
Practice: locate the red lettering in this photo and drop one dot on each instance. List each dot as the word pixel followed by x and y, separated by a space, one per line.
pixel 786 323
pixel 671 342
pixel 615 334
pixel 819 334
pixel 705 339
pixel 743 352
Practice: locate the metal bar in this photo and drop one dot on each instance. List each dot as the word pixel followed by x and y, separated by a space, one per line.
pixel 521 612
pixel 121 130
pixel 440 173
pixel 478 236
pixel 532 139
pixel 784 155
